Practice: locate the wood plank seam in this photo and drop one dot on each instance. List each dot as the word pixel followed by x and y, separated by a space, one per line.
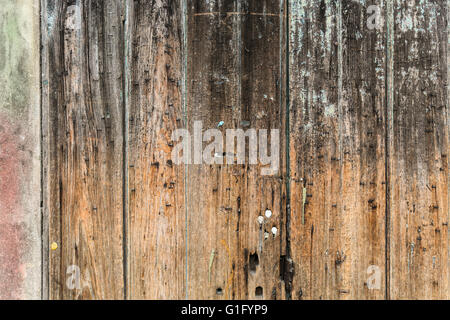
pixel 389 118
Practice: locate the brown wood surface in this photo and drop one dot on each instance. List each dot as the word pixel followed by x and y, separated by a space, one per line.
pixel 337 138
pixel 156 196
pixel 362 188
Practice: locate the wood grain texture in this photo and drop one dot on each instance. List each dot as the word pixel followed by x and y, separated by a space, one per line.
pixel 360 198
pixel 20 219
pixel 156 196
pixel 419 160
pixel 84 74
pixel 337 158
pixel 233 81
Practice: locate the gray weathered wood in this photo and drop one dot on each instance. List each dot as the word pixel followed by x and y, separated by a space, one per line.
pixel 234 81
pixel 360 201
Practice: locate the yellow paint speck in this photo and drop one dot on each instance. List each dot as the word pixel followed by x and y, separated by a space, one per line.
pixel 54 246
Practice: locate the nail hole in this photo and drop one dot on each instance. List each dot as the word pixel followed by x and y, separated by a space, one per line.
pixel 254 262
pixel 259 292
pixel 219 291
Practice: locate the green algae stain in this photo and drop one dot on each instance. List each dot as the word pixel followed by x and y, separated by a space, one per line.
pixel 15 46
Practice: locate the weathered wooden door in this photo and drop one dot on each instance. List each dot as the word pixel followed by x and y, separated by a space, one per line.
pixel 350 94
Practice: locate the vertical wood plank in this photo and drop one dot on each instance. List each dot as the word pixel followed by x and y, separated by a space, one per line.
pixel 234 81
pixel 20 218
pixel 156 196
pixel 337 150
pixel 83 83
pixel 419 159
pixel 363 145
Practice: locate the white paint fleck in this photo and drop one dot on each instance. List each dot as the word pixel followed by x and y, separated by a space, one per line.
pixel 268 213
pixel 406 23
pixel 330 110
pixel 433 76
pixel 73 18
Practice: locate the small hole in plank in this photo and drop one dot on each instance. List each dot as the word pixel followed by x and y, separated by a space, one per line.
pixel 254 262
pixel 219 291
pixel 259 292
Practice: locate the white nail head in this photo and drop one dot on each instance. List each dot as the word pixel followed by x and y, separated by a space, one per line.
pixel 274 231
